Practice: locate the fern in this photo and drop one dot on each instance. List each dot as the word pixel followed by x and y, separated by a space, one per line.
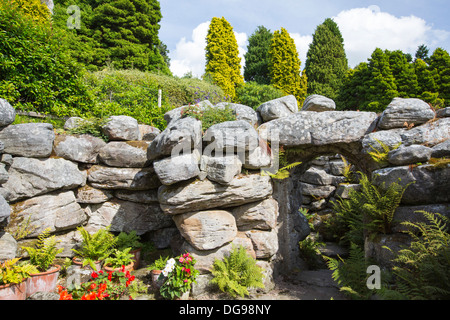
pixel 282 173
pixel 44 252
pixel 381 156
pixel 237 272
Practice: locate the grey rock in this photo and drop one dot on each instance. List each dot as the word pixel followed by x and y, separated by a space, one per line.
pixel 72 123
pixel 413 214
pixel 5 212
pixel 242 112
pixel 442 113
pixel 221 169
pixel 125 154
pixel 29 177
pixel 318 128
pixel 411 110
pixel 318 103
pixel 258 158
pixel 183 134
pixel 441 150
pixel 376 248
pixel 429 134
pixel 179 168
pixel 207 230
pixel 265 243
pixel 316 190
pixel 88 194
pixel 83 148
pixel 7 113
pixel 176 114
pixel 343 190
pixel 28 139
pixel 202 195
pixel 261 215
pixel 146 196
pixel 4 176
pixel 56 211
pixel 148 133
pixel 121 128
pixel 123 178
pixel 374 141
pixel 41 295
pixel 8 246
pixel 409 155
pixel 7 159
pixel 230 136
pixel 278 108
pixel 317 176
pixel 429 184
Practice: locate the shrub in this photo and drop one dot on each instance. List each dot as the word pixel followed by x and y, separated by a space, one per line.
pixel 253 94
pixel 209 115
pixel 237 272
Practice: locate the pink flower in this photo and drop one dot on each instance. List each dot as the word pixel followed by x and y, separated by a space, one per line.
pixel 181 259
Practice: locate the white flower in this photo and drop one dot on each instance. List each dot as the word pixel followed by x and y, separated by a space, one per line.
pixel 170 265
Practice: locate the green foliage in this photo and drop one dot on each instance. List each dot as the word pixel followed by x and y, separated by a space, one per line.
pixel 159 263
pixel 96 246
pixel 282 173
pixel 421 271
pixel 222 56
pixel 36 71
pixel 44 252
pixel 326 63
pixel 34 9
pixel 253 94
pixel 256 67
pixel 284 66
pixel 237 272
pixel 10 272
pixel 440 63
pixel 380 153
pixel 119 258
pixel 209 115
pixel 310 251
pixel 131 239
pixel 92 126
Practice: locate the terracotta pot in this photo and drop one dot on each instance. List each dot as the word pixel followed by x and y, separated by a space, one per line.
pixel 13 291
pixel 43 281
pixel 79 262
pixel 155 275
pixel 137 258
pixel 127 268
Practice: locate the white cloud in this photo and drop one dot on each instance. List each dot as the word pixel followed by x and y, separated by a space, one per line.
pixel 365 29
pixel 302 44
pixel 189 55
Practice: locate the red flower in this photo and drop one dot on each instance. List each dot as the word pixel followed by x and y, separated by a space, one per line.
pixel 94 275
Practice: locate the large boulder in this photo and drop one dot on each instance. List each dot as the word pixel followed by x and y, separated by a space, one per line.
pixel 377 141
pixel 148 133
pixel 318 103
pixel 201 195
pixel 317 176
pixel 56 211
pixel 28 139
pixel 231 136
pixel 83 148
pixel 29 177
pixel 122 178
pixel 181 134
pixel 7 113
pixel 179 168
pixel 242 112
pixel 221 169
pixel 260 215
pixel 258 158
pixel 410 110
pixel 308 128
pixel 125 154
pixel 207 230
pixel 278 108
pixel 428 183
pixel 430 134
pixel 121 128
pixel 265 243
pixel 409 155
pixel 441 150
pixel 177 113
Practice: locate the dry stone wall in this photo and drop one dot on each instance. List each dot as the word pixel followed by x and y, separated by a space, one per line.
pixel 203 191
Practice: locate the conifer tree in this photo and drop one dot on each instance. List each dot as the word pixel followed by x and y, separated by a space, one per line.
pixel 284 66
pixel 326 62
pixel 403 72
pixel 257 57
pixel 222 56
pixel 440 62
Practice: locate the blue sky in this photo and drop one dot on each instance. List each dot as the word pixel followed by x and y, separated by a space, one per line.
pixel 365 25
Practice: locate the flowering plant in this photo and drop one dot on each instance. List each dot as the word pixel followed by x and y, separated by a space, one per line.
pixel 102 286
pixel 179 274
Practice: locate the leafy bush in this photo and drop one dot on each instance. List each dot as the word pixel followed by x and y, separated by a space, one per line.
pixel 119 258
pixel 44 252
pixel 209 115
pixel 237 272
pixel 253 94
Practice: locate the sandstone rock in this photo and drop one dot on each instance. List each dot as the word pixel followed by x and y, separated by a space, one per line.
pixel 7 113
pixel 231 135
pixel 30 177
pixel 261 215
pixel 317 176
pixel 278 108
pixel 88 194
pixel 83 148
pixel 28 139
pixel 146 196
pixel 207 230
pixel 319 128
pixel 429 134
pixel 221 169
pixel 8 246
pixel 148 133
pixel 316 190
pixel 123 178
pixel 409 155
pixel 180 168
pixel 411 110
pixel 127 216
pixel 265 243
pixel 125 154
pixel 318 103
pixel 121 128
pixel 431 184
pixel 202 195
pixel 185 133
pixel 441 150
pixel 444 112
pixel 57 211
